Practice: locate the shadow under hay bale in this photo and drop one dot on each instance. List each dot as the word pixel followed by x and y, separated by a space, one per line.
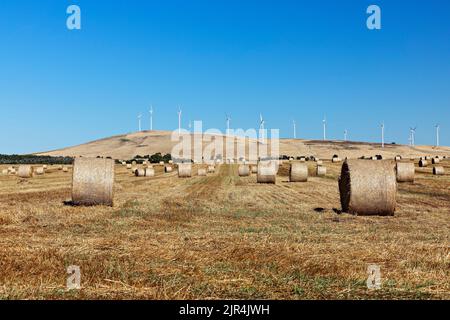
pixel 93 181
pixel 368 188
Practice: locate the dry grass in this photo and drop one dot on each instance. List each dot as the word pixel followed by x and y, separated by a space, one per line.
pixel 221 236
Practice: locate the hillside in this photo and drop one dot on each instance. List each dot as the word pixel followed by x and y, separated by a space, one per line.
pixel 127 146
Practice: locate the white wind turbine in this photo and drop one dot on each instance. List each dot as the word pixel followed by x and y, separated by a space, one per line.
pixel 382 134
pixel 139 122
pixel 179 120
pixel 345 134
pixel 228 119
pixel 324 121
pixel 261 122
pixel 437 134
pixel 151 118
pixel 412 133
pixel 295 129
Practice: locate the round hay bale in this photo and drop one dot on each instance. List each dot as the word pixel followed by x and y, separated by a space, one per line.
pixel 298 172
pixel 128 165
pixel 336 160
pixel 25 171
pixel 133 170
pixel 139 172
pixel 302 159
pixel 170 161
pixel 267 172
pixel 374 158
pixel 65 169
pixel 201 172
pixel 161 163
pixel 435 160
pixel 319 162
pixel 211 169
pixel 60 167
pixel 4 172
pixel 244 170
pixel 398 158
pixel 423 163
pixel 149 172
pixel 39 171
pixel 405 171
pixel 168 169
pixel 438 171
pixel 321 171
pixel 254 169
pixel 93 181
pixel 133 162
pixel 368 188
pixel 184 170
pixel 12 171
pixel 45 166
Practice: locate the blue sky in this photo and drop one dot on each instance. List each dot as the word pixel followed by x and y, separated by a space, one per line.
pixel 286 59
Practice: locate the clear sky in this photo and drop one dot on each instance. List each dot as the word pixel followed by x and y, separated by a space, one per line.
pixel 286 59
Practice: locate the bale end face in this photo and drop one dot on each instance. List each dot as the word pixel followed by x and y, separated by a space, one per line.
pixel 93 181
pixel 244 170
pixel 368 188
pixel 298 172
pixel 267 172
pixel 405 171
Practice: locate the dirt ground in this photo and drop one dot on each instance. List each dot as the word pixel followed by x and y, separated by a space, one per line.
pixel 221 237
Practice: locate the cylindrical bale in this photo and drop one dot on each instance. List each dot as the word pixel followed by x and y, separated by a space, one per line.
pixel 140 172
pixel 128 165
pixel 133 162
pixel 267 172
pixel 438 171
pixel 405 171
pixel 65 169
pixel 25 171
pixel 170 161
pixel 39 170
pixel 254 169
pixel 12 171
pixel 336 160
pixel 184 170
pixel 161 163
pixel 168 169
pixel 93 181
pixel 211 169
pixel 4 172
pixel 368 188
pixel 149 172
pixel 423 163
pixel 398 158
pixel 201 172
pixel 319 162
pixel 244 170
pixel 321 171
pixel 435 160
pixel 374 158
pixel 60 167
pixel 298 172
pixel 302 159
pixel 45 166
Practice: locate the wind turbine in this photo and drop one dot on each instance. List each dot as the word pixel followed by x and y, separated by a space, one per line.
pixel 228 119
pixel 437 134
pixel 324 121
pixel 345 134
pixel 179 120
pixel 295 129
pixel 139 121
pixel 261 122
pixel 382 134
pixel 412 132
pixel 151 118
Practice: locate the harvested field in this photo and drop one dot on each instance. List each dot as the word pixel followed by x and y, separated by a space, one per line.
pixel 221 237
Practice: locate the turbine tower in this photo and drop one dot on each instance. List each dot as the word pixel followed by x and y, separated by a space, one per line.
pixel 382 134
pixel 437 135
pixel 345 134
pixel 151 118
pixel 261 122
pixel 228 119
pixel 412 133
pixel 179 120
pixel 139 122
pixel 295 129
pixel 324 121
